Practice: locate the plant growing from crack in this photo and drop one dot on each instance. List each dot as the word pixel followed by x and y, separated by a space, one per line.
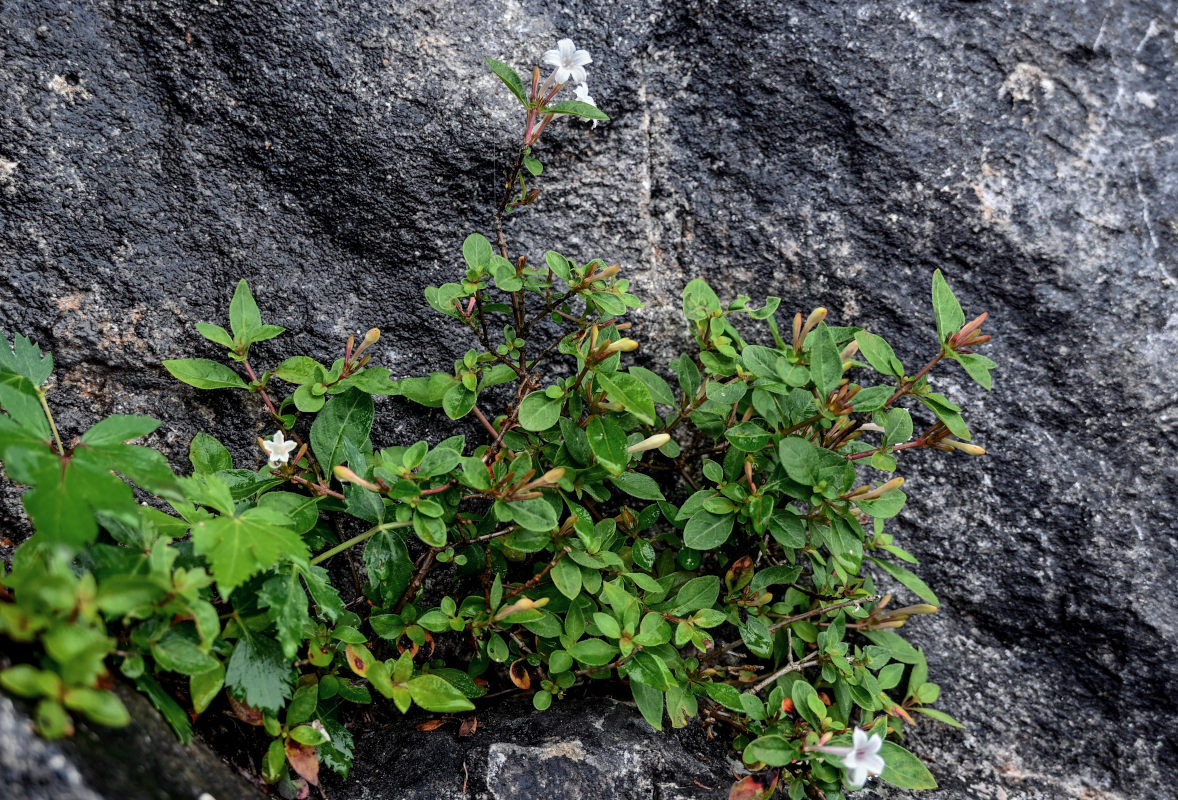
pixel 705 542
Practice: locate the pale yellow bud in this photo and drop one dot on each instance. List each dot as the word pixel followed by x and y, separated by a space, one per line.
pixel 965 447
pixel 624 345
pixel 345 475
pixel 650 443
pixel 552 475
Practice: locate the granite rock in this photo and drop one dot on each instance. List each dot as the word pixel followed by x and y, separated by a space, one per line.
pixel 335 154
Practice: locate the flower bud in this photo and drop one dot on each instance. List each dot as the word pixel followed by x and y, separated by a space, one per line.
pixel 604 274
pixel 345 475
pixel 523 604
pixel 552 475
pixel 650 443
pixel 965 447
pixel 623 345
pixel 882 489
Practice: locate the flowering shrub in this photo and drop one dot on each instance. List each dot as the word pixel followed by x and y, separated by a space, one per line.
pixel 703 540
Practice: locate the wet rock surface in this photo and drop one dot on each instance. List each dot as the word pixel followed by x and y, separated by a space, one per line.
pixel 336 154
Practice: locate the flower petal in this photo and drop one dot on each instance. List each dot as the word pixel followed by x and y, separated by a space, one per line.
pixel 567 49
pixel 551 57
pixel 581 58
pixel 578 74
pixel 873 764
pixel 857 776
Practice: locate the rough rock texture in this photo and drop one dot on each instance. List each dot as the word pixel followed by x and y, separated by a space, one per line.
pixel 335 153
pixel 595 750
pixel 141 762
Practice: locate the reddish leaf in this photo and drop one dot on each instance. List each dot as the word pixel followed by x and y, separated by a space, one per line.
pixel 247 714
pixel 430 724
pixel 519 675
pixel 468 726
pixel 304 760
pixel 754 787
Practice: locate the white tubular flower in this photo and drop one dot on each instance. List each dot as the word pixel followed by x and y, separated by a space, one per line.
pixel 863 758
pixel 569 61
pixel 279 449
pixel 582 91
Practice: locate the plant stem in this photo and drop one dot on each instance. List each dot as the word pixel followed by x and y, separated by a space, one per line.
pixel 253 377
pixel 52 424
pixel 355 540
pixel 418 579
pixel 535 579
pixel 793 666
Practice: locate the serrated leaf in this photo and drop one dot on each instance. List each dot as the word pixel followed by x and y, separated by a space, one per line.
pixel 24 358
pixel 238 547
pixel 286 605
pixel 258 673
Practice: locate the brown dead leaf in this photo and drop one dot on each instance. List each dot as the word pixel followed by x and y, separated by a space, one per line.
pixel 247 714
pixel 430 724
pixel 303 759
pixel 468 726
pixel 519 674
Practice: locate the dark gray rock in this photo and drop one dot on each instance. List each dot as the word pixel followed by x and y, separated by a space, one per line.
pixel 596 749
pixel 336 153
pixel 143 761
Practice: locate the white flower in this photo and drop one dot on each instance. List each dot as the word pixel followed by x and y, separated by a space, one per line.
pixel 278 449
pixel 569 61
pixel 583 94
pixel 863 759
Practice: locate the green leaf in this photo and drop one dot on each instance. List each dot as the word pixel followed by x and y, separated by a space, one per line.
pixel 879 354
pixel 607 440
pixel 578 109
pixel 539 412
pixel 19 398
pixel 902 769
pixel 946 309
pixel 176 716
pixel 119 428
pixel 567 577
pixel 510 78
pixel 697 593
pixel 347 418
pixel 458 401
pixel 241 546
pixel 204 374
pixel 909 579
pixel 724 694
pixel 593 652
pixel 208 455
pixel 476 249
pixel 438 461
pixel 707 531
pixel 773 750
pixel 178 653
pixel 258 673
pixel 102 707
pixel 748 437
pixel 939 716
pixel 205 687
pixel 637 485
pixel 535 514
pixel 533 165
pixel 699 301
pixel 215 334
pixel 286 605
pixel 761 361
pixel 895 644
pixel 826 367
pixel 807 703
pixel 660 390
pixel 436 694
pixel 650 703
pixel 25 359
pixel 243 311
pixel 978 367
pixel 630 392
